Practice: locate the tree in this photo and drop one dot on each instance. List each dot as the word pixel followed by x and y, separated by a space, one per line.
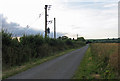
pixel 64 37
pixel 81 39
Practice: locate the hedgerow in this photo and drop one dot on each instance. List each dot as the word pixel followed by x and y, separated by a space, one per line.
pixel 16 52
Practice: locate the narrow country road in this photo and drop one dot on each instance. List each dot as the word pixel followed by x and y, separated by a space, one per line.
pixel 62 67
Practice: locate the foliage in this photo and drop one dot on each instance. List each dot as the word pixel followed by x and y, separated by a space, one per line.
pixel 64 37
pixel 87 67
pixel 34 62
pixel 114 40
pixel 15 52
pixel 100 62
pixel 81 39
pixel 106 57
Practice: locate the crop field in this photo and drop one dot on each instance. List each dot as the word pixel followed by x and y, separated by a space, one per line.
pixel 107 58
pixel 101 61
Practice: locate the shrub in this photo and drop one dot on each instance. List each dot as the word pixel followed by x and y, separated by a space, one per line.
pixel 31 47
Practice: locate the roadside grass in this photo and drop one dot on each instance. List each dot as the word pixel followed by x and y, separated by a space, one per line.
pixel 100 62
pixel 87 68
pixel 17 69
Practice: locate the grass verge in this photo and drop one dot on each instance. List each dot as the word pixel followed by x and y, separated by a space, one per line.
pixel 17 69
pixel 87 67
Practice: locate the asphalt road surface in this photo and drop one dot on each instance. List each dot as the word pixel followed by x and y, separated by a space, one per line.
pixel 62 67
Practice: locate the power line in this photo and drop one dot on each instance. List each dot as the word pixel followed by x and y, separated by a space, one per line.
pixel 36 19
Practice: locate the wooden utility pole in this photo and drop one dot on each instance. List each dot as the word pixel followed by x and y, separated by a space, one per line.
pixel 77 36
pixel 46 20
pixel 54 28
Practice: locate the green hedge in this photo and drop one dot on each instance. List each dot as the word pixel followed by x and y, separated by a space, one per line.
pixel 15 53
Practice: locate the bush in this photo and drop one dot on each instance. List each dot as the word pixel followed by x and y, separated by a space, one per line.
pixel 31 47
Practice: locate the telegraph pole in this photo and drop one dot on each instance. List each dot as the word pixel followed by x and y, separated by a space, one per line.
pixel 46 21
pixel 77 36
pixel 54 28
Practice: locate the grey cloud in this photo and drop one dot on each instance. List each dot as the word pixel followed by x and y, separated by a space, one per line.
pixel 17 30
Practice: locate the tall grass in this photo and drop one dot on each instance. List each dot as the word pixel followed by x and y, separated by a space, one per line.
pixel 107 59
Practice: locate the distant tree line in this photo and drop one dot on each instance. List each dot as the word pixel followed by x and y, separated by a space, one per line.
pixel 114 40
pixel 15 53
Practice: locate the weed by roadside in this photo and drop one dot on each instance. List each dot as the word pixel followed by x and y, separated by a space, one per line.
pixel 99 62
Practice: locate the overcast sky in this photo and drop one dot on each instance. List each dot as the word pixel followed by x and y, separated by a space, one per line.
pixel 87 18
